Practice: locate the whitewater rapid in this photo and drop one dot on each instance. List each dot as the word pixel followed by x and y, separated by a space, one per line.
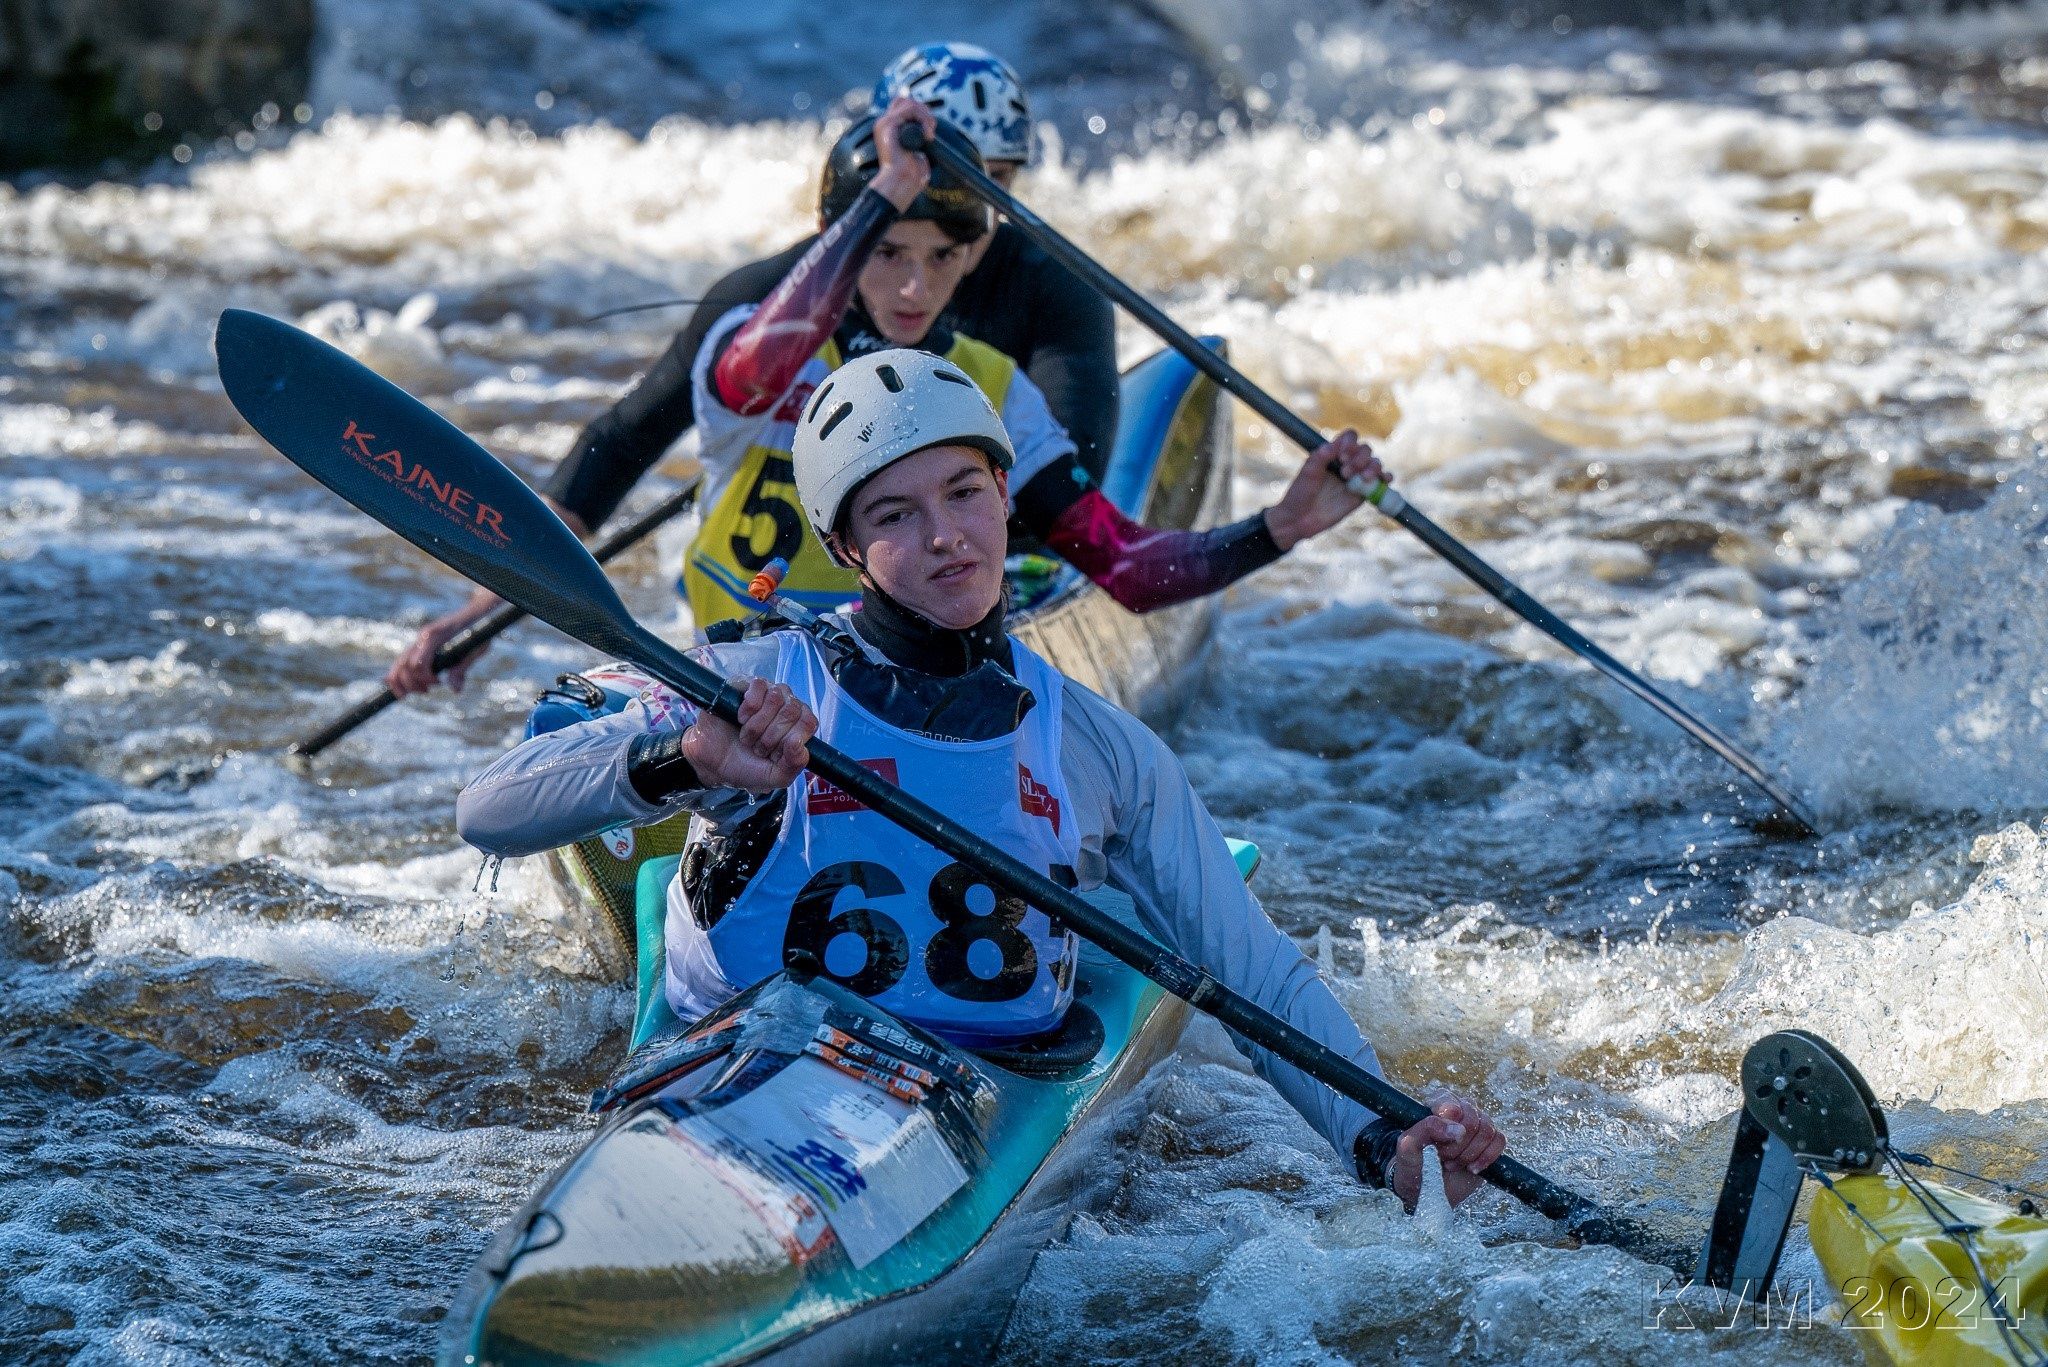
pixel 1729 344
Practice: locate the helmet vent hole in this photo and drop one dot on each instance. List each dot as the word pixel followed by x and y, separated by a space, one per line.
pixel 952 377
pixel 890 379
pixel 980 95
pixel 818 402
pixel 839 415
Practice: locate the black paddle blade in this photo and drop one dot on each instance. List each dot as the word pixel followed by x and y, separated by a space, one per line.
pixel 392 457
pixel 1759 1195
pixel 403 464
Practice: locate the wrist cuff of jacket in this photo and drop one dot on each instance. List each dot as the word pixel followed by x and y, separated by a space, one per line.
pixel 658 769
pixel 1250 543
pixel 887 207
pixel 1373 1151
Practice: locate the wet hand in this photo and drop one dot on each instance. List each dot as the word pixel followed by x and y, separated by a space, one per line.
pixel 903 175
pixel 413 671
pixel 1321 496
pixel 765 752
pixel 1466 1141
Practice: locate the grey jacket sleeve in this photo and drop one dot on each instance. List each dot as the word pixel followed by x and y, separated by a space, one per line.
pixel 558 788
pixel 1163 848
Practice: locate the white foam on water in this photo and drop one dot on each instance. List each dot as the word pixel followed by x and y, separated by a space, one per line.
pixel 1949 1006
pixel 1681 365
pixel 1235 1214
pixel 479 973
pixel 441 207
pixel 33 510
pixel 52 430
pixel 104 681
pixel 1926 686
pixel 1941 1005
pixel 292 626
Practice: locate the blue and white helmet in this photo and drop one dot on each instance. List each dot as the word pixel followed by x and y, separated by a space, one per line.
pixel 970 88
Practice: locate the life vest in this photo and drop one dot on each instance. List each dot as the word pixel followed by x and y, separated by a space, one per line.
pixel 883 913
pixel 758 517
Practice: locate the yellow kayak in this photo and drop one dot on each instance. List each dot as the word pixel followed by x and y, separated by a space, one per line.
pixel 1927 1274
pixel 1912 1288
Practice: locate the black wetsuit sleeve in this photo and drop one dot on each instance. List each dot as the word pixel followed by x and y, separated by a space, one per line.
pixel 1074 360
pixel 626 440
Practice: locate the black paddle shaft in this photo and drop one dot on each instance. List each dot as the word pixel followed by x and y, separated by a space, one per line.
pixel 480 633
pixel 1234 381
pixel 403 464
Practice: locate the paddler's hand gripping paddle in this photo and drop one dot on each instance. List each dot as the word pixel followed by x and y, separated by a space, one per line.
pixel 397 460
pixel 1232 380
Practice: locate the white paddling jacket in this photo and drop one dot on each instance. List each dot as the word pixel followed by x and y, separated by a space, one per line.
pixel 1129 819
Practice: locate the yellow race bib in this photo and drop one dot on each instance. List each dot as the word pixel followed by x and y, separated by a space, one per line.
pixel 760 518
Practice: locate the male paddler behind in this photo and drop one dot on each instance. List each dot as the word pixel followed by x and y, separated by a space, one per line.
pixel 1013 296
pixel 884 272
pixel 903 469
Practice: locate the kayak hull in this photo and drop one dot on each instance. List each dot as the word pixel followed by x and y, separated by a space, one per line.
pixel 1909 1290
pixel 1171 467
pixel 683 1233
pixel 962 1313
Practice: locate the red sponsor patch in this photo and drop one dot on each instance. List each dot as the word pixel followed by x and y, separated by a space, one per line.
pixel 1036 799
pixel 825 799
pixel 792 407
pixel 447 497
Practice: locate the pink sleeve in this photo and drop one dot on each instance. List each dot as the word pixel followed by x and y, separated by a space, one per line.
pixel 761 359
pixel 1145 568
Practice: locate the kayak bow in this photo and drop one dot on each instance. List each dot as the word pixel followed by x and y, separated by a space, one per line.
pixel 800 1177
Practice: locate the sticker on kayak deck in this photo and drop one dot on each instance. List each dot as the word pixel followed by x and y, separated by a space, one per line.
pixel 620 842
pixel 875 1164
pixel 792 1218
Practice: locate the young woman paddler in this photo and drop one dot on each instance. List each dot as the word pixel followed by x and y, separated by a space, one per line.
pixel 1014 297
pixel 903 469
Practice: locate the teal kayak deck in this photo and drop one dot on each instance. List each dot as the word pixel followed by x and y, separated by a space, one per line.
pixel 612 1262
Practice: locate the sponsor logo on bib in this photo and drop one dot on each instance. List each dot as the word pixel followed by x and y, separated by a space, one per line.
pixel 619 842
pixel 792 407
pixel 823 798
pixel 1036 799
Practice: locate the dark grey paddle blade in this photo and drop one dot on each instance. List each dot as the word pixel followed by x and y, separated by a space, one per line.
pixel 388 454
pixel 1759 1194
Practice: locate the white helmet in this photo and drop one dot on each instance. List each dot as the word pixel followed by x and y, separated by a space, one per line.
pixel 875 410
pixel 970 88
